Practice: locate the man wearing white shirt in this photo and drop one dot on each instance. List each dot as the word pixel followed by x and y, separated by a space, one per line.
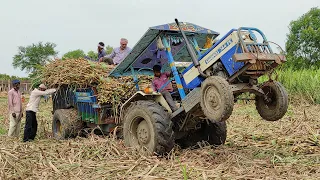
pixel 118 54
pixel 30 129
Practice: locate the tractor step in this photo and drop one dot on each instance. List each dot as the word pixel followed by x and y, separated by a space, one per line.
pixel 174 114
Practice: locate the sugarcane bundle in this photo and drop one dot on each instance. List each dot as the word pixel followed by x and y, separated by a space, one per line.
pixel 115 89
pixel 79 72
pixel 120 89
pixel 82 73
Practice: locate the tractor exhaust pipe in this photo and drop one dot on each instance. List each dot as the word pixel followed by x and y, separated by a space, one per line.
pixel 191 51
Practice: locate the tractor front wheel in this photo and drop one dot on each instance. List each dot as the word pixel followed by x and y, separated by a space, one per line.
pixel 274 105
pixel 216 98
pixel 146 128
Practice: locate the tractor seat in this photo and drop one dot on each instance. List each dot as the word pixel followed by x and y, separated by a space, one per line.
pixel 175 93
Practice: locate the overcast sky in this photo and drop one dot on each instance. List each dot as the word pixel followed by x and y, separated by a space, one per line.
pixel 81 24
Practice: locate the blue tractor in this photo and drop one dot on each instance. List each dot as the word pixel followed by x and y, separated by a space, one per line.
pixel 209 75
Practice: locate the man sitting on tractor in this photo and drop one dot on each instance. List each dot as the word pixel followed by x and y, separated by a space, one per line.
pixel 160 80
pixel 118 54
pixel 101 51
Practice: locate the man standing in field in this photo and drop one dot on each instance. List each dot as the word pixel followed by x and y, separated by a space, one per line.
pixel 118 54
pixel 15 109
pixel 30 129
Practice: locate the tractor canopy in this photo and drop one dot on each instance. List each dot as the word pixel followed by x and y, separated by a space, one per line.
pixel 145 54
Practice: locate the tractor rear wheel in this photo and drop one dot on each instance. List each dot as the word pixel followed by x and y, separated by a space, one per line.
pixel 66 124
pixel 212 133
pixel 216 98
pixel 276 105
pixel 146 128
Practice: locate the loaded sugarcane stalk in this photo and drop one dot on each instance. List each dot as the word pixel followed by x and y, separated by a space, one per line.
pixel 81 73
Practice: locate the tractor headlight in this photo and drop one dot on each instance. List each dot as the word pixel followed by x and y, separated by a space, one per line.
pixel 243 37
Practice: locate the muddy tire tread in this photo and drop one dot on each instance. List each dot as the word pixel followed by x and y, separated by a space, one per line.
pixel 225 92
pixel 161 121
pixel 281 110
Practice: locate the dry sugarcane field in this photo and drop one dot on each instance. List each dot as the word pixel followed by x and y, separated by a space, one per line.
pixel 255 149
pixel 111 90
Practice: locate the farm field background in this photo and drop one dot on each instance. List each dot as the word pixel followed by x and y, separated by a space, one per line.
pixel 255 149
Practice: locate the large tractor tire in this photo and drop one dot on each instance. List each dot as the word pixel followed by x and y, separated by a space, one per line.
pixel 276 105
pixel 212 133
pixel 146 128
pixel 216 98
pixel 66 124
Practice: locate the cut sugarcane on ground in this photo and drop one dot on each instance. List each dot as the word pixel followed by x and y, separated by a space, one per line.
pixel 255 149
pixel 81 73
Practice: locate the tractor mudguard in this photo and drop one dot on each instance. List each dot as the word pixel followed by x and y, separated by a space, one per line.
pixel 139 95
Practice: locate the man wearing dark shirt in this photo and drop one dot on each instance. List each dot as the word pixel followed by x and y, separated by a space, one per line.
pixel 101 51
pixel 160 79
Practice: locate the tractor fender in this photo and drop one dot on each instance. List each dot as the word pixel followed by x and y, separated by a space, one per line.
pixel 140 95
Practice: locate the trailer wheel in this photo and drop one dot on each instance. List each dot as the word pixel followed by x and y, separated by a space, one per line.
pixel 212 133
pixel 146 128
pixel 216 98
pixel 66 124
pixel 276 105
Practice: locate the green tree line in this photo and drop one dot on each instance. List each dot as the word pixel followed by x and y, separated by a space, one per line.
pixel 8 77
pixel 33 57
pixel 303 41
